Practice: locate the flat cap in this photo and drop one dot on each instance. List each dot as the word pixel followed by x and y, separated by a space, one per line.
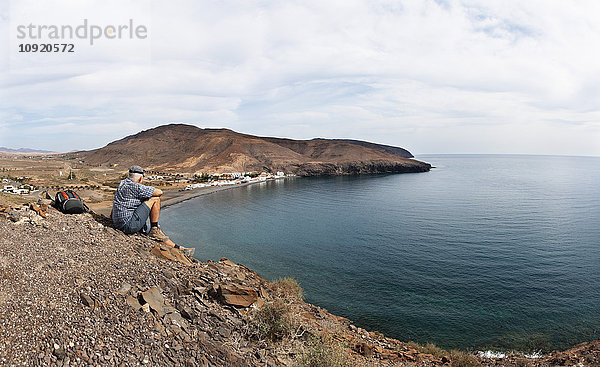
pixel 136 169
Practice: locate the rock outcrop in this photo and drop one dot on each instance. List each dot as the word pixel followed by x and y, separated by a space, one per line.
pixel 357 167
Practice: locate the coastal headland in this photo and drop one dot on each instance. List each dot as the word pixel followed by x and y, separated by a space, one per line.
pixel 179 156
pixel 189 150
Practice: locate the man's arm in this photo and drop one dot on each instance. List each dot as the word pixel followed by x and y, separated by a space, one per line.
pixel 157 192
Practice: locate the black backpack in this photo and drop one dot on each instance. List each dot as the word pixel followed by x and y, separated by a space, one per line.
pixel 69 202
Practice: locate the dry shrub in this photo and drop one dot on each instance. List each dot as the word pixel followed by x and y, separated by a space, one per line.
pixel 324 351
pixel 458 358
pixel 287 289
pixel 279 319
pixel 463 359
pixel 429 348
pixel 273 321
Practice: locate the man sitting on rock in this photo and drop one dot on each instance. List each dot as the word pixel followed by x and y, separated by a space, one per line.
pixel 134 203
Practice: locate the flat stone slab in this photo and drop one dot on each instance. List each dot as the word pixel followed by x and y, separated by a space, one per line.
pixel 155 299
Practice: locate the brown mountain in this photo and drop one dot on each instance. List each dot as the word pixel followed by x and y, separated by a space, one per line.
pixel 187 148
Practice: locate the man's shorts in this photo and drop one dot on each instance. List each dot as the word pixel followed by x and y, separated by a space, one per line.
pixel 137 220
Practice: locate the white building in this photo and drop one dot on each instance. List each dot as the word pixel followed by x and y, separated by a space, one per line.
pixel 157 177
pixel 10 189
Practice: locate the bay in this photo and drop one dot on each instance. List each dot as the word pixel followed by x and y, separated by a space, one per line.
pixel 483 252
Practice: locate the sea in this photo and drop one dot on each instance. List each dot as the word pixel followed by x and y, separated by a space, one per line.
pixel 484 252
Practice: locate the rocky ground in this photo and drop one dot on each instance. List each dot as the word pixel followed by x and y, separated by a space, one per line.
pixel 75 292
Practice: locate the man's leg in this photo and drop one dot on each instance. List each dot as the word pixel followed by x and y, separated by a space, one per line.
pixel 154 204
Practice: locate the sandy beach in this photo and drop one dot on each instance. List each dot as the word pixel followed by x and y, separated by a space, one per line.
pixel 172 197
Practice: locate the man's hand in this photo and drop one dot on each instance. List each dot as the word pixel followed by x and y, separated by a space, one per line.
pixel 157 192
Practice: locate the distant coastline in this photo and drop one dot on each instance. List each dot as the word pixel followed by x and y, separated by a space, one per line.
pixel 176 196
pixel 172 197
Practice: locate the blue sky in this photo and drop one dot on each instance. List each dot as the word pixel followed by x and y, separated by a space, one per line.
pixel 430 76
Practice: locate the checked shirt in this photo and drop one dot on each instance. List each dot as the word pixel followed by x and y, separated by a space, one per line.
pixel 128 197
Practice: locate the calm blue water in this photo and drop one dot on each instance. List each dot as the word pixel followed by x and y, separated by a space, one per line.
pixel 482 252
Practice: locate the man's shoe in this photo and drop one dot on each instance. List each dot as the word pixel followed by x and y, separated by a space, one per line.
pixel 157 234
pixel 188 251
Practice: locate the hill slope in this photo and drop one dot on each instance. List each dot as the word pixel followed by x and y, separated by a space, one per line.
pixel 187 148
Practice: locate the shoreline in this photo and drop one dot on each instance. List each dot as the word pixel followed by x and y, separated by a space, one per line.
pixel 172 197
pixel 175 196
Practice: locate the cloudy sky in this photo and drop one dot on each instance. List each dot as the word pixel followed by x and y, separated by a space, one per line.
pixel 431 76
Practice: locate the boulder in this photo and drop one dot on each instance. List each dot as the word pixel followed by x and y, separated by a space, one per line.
pixel 227 262
pixel 175 321
pixel 46 202
pixel 170 253
pixel 41 210
pixel 236 295
pixel 25 216
pixel 364 349
pixel 124 289
pixel 133 302
pixel 156 300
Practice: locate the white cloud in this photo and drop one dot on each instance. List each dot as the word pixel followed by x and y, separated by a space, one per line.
pixel 432 76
